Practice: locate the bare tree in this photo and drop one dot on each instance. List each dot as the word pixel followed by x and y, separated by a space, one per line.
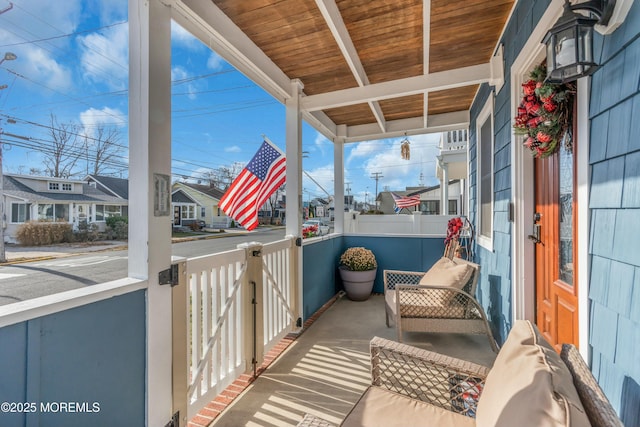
pixel 60 161
pixel 103 149
pixel 223 176
pixel 273 201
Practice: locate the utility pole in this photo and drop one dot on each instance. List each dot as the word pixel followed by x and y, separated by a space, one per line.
pixel 377 176
pixel 8 56
pixel 2 253
pixel 348 190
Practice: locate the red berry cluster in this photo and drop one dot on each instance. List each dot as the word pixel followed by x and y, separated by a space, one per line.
pixel 454 227
pixel 310 231
pixel 544 113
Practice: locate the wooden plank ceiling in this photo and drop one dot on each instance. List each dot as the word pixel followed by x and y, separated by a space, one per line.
pixel 388 36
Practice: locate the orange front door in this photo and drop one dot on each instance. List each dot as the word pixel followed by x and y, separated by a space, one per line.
pixel 555 232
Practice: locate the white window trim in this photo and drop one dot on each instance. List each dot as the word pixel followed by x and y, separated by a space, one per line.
pixel 523 285
pixel 485 113
pixel 11 211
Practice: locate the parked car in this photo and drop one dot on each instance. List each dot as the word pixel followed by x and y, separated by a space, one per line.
pixel 323 227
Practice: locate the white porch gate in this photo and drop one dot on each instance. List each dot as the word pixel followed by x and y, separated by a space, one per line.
pixel 230 324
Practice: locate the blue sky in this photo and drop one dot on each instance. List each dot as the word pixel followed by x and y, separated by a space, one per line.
pixel 73 62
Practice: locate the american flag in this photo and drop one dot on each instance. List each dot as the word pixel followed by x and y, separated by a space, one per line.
pixel 405 201
pixel 254 185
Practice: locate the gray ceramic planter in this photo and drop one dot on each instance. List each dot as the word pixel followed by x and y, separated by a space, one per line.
pixel 358 284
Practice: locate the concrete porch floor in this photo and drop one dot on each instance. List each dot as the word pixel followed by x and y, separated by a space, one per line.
pixel 326 369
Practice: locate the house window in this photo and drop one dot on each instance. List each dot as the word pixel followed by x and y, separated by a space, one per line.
pixel 188 212
pixel 20 212
pixel 53 212
pixel 106 211
pixel 203 212
pixel 485 149
pixel 54 186
pixel 67 187
pixel 430 207
pixel 453 207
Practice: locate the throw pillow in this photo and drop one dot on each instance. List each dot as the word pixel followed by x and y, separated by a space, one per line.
pixel 447 273
pixel 529 382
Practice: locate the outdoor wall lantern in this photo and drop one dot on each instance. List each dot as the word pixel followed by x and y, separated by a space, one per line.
pixel 570 41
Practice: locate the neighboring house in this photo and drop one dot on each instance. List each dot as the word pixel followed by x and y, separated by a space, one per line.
pixel 197 202
pixel 55 199
pixel 118 187
pixel 430 199
pixel 275 217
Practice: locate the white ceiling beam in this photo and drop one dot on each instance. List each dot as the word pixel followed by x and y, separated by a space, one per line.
pixel 212 27
pixel 333 18
pixel 413 126
pixel 426 38
pixel 378 114
pixel 450 79
pixel 321 122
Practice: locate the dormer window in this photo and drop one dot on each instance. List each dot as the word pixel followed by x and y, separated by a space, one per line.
pixel 56 186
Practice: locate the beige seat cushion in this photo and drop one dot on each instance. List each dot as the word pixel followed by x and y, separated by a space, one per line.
pixel 529 383
pixel 382 408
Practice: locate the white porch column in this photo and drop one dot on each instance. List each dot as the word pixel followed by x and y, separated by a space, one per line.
pixel 149 188
pixel 444 189
pixel 338 180
pixel 293 136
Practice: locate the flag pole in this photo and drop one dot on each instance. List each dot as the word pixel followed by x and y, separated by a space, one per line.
pixel 268 141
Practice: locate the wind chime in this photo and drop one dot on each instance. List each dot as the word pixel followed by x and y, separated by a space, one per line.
pixel 405 150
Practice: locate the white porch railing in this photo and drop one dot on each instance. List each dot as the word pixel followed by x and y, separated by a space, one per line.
pixel 231 326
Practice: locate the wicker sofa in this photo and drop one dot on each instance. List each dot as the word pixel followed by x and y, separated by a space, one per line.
pixel 440 300
pixel 528 385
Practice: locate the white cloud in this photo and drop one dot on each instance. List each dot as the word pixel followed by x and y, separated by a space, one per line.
pixel 215 62
pixel 180 73
pixel 384 156
pixel 45 18
pixel 323 175
pixel 106 116
pixel 233 149
pixel 184 38
pixel 112 10
pixel 322 143
pixel 104 56
pixel 42 68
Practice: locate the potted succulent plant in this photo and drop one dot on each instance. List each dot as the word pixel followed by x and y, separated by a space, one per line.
pixel 358 271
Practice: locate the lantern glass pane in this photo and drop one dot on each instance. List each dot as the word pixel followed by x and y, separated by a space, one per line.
pixel 551 65
pixel 565 48
pixel 585 46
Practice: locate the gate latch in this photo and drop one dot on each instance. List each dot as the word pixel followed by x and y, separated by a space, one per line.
pixel 169 276
pixel 175 420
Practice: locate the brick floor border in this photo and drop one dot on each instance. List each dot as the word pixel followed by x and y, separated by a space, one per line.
pixel 213 409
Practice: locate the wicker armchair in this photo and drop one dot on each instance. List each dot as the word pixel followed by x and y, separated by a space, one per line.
pixel 446 383
pixel 421 375
pixel 433 308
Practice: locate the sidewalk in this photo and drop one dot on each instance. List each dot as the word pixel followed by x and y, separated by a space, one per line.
pixel 17 254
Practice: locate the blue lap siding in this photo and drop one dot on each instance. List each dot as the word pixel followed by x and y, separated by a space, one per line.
pixel 614 204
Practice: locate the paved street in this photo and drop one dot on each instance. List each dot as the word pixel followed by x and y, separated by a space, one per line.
pixel 28 280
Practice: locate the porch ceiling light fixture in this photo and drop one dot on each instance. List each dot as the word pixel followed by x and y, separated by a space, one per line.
pixel 570 41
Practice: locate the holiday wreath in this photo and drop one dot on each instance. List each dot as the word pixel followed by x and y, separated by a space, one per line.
pixel 545 114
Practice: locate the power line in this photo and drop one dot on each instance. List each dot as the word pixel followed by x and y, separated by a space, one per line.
pixel 75 33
